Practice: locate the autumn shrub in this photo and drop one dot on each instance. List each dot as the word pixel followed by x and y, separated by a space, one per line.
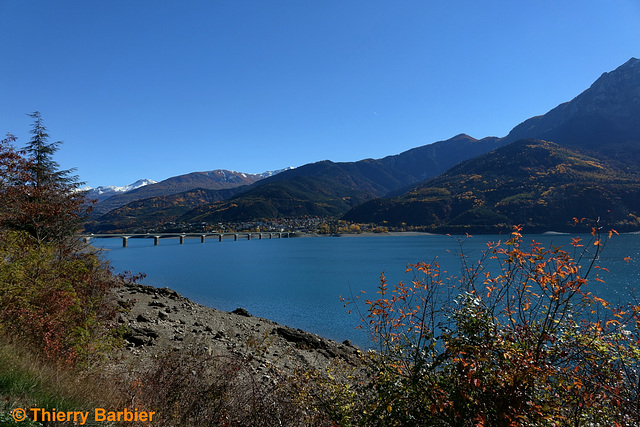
pixel 335 396
pixel 520 338
pixel 56 303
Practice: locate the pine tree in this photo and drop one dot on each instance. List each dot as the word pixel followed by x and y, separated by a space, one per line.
pixel 44 169
pixel 35 195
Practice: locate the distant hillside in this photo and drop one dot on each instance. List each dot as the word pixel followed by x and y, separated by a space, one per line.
pixel 538 184
pixel 212 180
pixel 296 197
pixel 154 211
pixel 433 159
pixel 318 189
pixel 331 189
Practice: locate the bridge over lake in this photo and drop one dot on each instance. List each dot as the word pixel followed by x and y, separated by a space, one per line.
pixel 181 236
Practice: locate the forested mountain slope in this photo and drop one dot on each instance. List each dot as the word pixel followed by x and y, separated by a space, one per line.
pixel 538 184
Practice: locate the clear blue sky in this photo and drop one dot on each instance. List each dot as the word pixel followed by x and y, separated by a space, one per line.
pixel 153 89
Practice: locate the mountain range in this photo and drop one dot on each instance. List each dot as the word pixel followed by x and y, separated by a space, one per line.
pixel 580 159
pixel 104 192
pixel 538 184
pixel 218 179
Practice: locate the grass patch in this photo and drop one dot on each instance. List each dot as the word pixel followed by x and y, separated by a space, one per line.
pixel 27 381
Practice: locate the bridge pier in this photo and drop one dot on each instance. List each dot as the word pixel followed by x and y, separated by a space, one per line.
pixel 156 240
pixel 86 240
pixel 259 236
pixel 248 236
pixel 182 239
pixel 235 237
pixel 220 237
pixel 202 238
pixel 125 241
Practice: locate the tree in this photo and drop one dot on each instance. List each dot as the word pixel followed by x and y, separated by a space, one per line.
pixel 36 196
pixel 44 169
pixel 14 173
pixel 52 297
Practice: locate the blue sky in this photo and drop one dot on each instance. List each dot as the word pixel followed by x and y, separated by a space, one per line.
pixel 153 89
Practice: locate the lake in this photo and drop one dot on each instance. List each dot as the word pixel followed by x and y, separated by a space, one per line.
pixel 298 281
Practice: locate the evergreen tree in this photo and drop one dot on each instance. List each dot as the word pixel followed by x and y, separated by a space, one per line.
pixel 40 151
pixel 35 195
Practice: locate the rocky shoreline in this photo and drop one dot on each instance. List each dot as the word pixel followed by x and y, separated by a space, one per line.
pixel 158 320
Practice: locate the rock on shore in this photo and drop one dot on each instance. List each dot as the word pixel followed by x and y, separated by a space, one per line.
pixel 159 319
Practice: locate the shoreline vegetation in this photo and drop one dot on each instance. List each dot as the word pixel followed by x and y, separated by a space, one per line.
pixel 523 344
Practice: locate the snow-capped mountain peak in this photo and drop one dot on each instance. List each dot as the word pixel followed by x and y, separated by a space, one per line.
pixel 105 191
pixel 267 174
pixel 139 183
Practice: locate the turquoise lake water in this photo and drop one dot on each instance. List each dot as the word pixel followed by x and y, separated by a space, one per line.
pixel 298 282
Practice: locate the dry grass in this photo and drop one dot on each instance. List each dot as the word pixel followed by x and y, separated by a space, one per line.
pixel 191 388
pixel 27 381
pixel 183 388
